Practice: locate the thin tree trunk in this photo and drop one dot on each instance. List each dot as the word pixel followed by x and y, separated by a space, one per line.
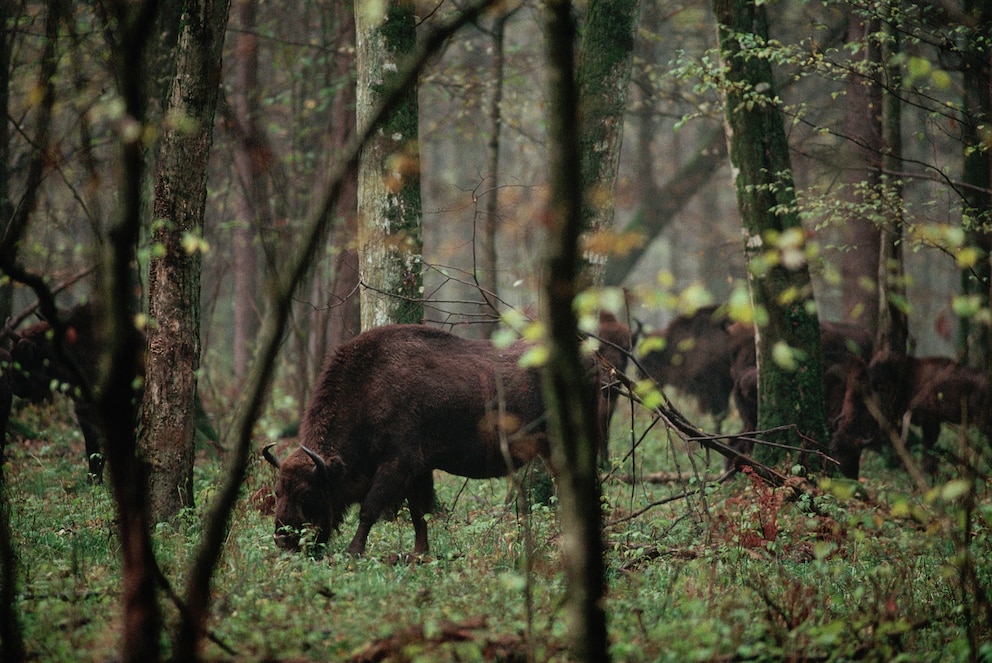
pixel 486 270
pixel 893 325
pixel 117 402
pixel 976 339
pixel 571 405
pixel 790 383
pixel 11 640
pixel 251 158
pixel 389 203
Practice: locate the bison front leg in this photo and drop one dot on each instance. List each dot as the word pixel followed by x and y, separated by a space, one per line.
pixel 87 419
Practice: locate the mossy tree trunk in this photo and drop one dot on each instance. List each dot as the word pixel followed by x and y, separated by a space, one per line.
pixel 892 334
pixel 976 339
pixel 389 205
pixel 173 337
pixel 603 76
pixel 571 404
pixel 790 384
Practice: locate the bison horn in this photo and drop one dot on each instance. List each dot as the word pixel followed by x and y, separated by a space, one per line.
pixel 269 457
pixel 321 465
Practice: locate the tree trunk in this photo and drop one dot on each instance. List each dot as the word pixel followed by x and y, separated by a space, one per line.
pixel 790 384
pixel 486 269
pixel 893 324
pixel 571 405
pixel 251 158
pixel 389 205
pixel 173 356
pixel 859 263
pixel 117 397
pixel 977 84
pixel 603 76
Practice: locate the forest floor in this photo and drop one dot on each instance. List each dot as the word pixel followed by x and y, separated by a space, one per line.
pixel 696 570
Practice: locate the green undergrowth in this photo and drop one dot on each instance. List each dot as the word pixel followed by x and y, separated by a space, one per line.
pixel 697 571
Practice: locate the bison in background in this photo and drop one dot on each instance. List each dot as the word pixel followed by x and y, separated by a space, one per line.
pixel 391 406
pixel 695 358
pixel 37 367
pixel 845 348
pixel 933 390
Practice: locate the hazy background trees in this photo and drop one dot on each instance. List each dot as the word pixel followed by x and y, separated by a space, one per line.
pixel 75 182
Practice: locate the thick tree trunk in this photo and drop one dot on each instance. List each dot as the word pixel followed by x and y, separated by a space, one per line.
pixel 389 204
pixel 173 356
pixel 603 76
pixel 790 384
pixel 859 263
pixel 571 405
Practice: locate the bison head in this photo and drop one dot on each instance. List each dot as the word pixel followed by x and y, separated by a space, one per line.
pixel 304 496
pixel 31 373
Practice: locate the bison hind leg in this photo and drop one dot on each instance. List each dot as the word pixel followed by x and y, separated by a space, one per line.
pixel 421 502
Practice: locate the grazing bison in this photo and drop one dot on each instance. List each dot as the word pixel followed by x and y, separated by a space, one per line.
pixel 844 349
pixel 37 369
pixel 934 390
pixel 391 406
pixel 696 359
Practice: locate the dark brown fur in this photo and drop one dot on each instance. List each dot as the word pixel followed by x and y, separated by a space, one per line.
pixel 935 390
pixel 696 359
pixel 391 406
pixel 37 366
pixel 844 348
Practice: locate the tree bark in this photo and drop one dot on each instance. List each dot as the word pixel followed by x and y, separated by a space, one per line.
pixel 860 262
pixel 571 404
pixel 173 343
pixel 603 76
pixel 251 158
pixel 790 384
pixel 976 339
pixel 389 203
pixel 893 324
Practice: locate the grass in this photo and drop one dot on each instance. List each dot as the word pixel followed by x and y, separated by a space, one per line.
pixel 735 571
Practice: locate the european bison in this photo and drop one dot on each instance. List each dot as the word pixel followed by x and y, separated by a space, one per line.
pixel 37 368
pixel 392 405
pixel 934 390
pixel 844 348
pixel 696 359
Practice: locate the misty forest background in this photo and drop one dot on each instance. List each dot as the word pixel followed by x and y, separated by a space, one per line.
pixel 485 157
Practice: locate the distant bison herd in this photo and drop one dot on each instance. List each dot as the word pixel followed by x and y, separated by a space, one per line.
pixel 398 402
pixel 712 359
